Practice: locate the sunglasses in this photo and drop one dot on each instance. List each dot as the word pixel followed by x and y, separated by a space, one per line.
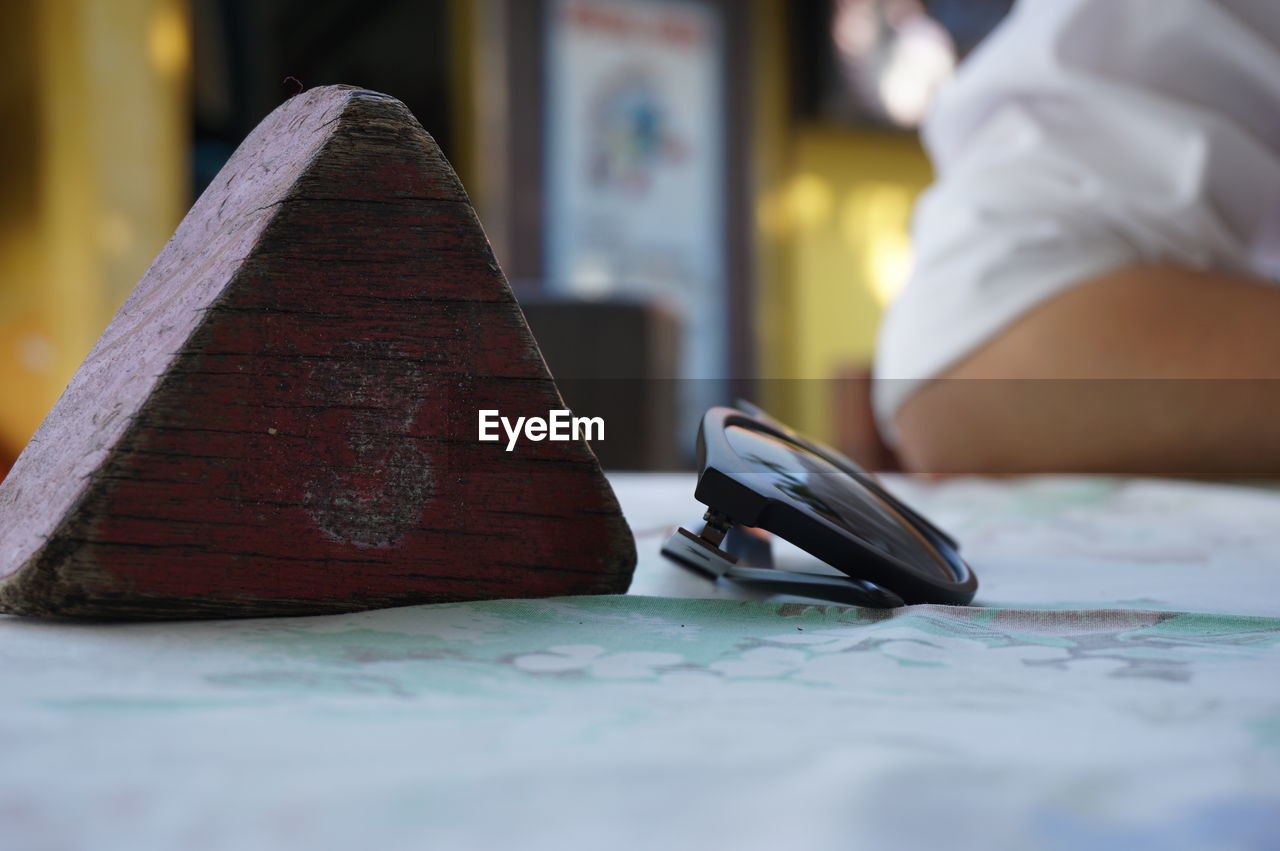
pixel 756 474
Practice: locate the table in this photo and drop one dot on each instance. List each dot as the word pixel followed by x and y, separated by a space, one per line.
pixel 1118 686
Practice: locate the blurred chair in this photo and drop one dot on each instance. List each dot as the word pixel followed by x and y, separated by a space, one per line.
pixel 619 360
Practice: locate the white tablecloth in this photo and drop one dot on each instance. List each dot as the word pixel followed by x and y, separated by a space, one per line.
pixel 1120 688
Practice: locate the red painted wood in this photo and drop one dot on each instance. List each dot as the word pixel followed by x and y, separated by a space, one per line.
pixel 282 418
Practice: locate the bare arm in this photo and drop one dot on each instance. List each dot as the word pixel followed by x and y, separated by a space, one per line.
pixel 1150 369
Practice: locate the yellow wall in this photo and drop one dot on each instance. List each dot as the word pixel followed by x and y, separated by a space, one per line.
pixel 95 179
pixel 843 212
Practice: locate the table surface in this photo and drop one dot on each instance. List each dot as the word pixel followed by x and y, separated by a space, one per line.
pixel 1116 685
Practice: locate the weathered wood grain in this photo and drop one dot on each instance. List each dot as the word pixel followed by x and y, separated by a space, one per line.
pixel 282 417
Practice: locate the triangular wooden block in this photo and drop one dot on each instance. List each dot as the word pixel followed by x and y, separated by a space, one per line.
pixel 282 419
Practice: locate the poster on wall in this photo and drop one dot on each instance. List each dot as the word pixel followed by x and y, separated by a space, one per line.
pixel 635 164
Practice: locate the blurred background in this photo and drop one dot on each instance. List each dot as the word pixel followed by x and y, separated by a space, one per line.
pixel 694 199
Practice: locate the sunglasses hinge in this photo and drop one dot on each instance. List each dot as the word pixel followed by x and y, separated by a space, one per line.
pixel 718 525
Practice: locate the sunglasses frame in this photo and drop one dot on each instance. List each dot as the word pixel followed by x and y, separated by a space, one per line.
pixel 736 494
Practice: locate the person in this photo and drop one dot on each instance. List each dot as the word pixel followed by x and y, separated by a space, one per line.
pixel 1099 250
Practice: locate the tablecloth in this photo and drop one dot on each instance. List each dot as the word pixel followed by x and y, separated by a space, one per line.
pixel 1119 687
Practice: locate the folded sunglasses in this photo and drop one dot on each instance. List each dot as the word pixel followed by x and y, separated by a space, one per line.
pixel 757 474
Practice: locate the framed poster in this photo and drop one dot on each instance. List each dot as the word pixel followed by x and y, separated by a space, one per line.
pixel 635 164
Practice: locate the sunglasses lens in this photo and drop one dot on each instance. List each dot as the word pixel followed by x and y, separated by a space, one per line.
pixel 833 494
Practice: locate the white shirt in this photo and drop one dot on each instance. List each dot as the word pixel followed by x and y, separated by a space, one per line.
pixel 1084 136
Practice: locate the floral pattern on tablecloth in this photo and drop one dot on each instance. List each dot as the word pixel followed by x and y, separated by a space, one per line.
pixel 627 722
